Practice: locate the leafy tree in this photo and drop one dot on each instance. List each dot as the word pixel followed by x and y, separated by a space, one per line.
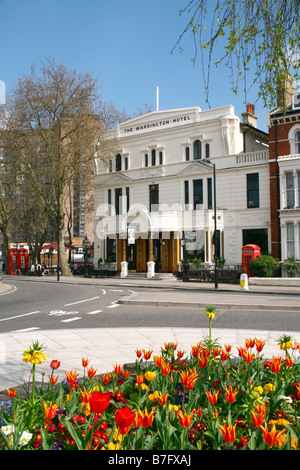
pixel 258 37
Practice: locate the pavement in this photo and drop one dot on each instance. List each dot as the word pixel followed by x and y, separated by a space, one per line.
pixel 108 346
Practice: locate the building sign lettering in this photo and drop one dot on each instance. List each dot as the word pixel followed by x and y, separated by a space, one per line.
pixel 164 122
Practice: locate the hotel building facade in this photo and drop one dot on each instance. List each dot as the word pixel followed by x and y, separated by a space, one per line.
pixel 155 198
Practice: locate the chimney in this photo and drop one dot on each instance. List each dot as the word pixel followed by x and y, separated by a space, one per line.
pixel 249 116
pixel 285 89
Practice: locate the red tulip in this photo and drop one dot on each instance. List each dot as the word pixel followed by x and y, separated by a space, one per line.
pixel 99 402
pixel 54 364
pixel 124 418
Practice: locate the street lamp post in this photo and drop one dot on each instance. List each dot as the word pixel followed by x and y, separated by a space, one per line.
pixel 211 164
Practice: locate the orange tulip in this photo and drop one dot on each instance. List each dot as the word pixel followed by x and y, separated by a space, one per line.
pixel 271 437
pixel 51 411
pixel 212 397
pixel 249 356
pixel 72 379
pixel 241 351
pixel 202 361
pixel 216 351
pixel 158 360
pixel 258 419
pixel 289 361
pixel 227 347
pixel 162 399
pixel 188 379
pixel 138 353
pixel 230 394
pixel 11 393
pixel 196 349
pixel 276 364
pixel 117 368
pixel 85 362
pixel 165 368
pixel 185 420
pixel 228 432
pixel 144 418
pixel 106 378
pixel 180 354
pixel 85 396
pixel 139 379
pixel 224 355
pixel 91 372
pixel 53 379
pixel 126 373
pixel 147 354
pixel 250 343
pixel 260 345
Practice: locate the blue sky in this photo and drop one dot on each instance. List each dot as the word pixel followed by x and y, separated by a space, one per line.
pixel 127 44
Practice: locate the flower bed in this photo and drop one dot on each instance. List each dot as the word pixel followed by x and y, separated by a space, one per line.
pixel 207 399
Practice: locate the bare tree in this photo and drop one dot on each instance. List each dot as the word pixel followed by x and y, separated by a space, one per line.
pixel 53 120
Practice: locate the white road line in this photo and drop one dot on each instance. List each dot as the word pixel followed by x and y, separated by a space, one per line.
pixel 94 312
pixel 103 291
pixel 81 301
pixel 20 316
pixel 113 306
pixel 26 329
pixel 71 319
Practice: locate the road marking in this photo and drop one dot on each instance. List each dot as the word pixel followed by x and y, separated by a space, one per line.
pixel 113 306
pixel 116 290
pixel 26 329
pixel 20 316
pixel 103 291
pixel 71 319
pixel 81 301
pixel 59 313
pixel 94 312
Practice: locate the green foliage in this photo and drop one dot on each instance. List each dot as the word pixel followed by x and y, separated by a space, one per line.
pixel 258 37
pixel 265 266
pixel 291 266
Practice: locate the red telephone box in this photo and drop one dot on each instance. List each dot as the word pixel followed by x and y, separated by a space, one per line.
pixel 17 261
pixel 249 252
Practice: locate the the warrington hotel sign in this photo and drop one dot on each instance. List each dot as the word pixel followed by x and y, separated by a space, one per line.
pixel 156 124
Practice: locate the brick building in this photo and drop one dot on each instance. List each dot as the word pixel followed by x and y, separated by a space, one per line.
pixel 284 158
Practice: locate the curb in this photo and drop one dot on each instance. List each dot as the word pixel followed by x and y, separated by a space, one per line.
pixel 157 303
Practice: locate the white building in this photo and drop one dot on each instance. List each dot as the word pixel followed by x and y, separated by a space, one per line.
pixel 159 189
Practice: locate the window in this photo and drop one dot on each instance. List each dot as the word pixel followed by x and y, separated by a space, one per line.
pixel 186 193
pixel 187 153
pixel 290 240
pixel 126 163
pixel 109 201
pixel 127 198
pixel 209 194
pixel 207 151
pixel 119 162
pixel 197 150
pixel 118 200
pixel 297 142
pixel 153 197
pixel 290 193
pixel 153 157
pixel 160 158
pixel 146 159
pixel 252 190
pixel 198 193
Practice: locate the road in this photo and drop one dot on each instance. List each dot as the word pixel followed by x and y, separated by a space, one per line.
pixel 48 306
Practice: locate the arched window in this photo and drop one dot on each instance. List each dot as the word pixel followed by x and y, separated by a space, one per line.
pixel 297 142
pixel 197 150
pixel 119 162
pixel 153 157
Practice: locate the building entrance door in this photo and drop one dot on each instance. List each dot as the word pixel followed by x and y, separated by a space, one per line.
pixel 136 255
